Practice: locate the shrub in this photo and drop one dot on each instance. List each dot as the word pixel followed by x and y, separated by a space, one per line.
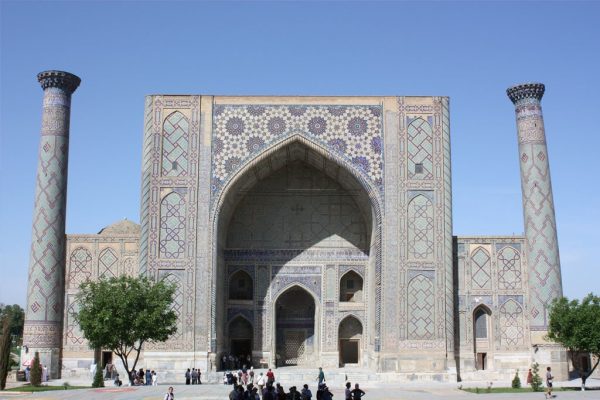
pixel 536 380
pixel 516 382
pixel 98 378
pixel 35 374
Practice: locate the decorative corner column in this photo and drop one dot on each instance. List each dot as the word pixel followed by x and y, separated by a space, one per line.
pixel 538 203
pixel 45 290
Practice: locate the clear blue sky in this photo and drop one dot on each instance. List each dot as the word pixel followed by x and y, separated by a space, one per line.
pixel 469 51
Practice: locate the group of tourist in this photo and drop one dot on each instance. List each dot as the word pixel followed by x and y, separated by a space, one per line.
pixel 193 376
pixel 243 376
pixel 276 392
pixel 141 378
pixel 233 362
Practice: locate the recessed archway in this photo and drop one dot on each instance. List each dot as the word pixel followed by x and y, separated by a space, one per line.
pixel 482 336
pixel 294 202
pixel 295 314
pixel 350 334
pixel 240 338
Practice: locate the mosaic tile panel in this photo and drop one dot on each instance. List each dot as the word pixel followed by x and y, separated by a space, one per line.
pixel 481 272
pixel 175 145
pixel 80 267
pixel 421 308
pixel 172 226
pixel 420 228
pixel 108 264
pixel 420 148
pixel 509 269
pixel 241 132
pixel 511 324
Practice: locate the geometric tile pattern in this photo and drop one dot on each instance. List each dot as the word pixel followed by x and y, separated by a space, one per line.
pixel 481 268
pixel 177 305
pixel 420 148
pixel 175 145
pixel 420 228
pixel 538 203
pixel 108 264
pixel 172 226
pixel 509 269
pixel 80 267
pixel 352 132
pixel 511 324
pixel 421 307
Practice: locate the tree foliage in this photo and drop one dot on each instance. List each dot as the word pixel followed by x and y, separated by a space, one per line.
pixel 576 326
pixel 17 318
pixel 123 313
pixel 98 378
pixel 35 374
pixel 5 341
pixel 536 379
pixel 516 382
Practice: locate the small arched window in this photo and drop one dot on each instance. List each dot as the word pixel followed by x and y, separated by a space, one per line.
pixel 480 323
pixel 240 286
pixel 351 287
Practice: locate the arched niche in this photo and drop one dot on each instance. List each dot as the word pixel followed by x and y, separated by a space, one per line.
pixel 240 336
pixel 241 286
pixel 351 287
pixel 350 333
pixel 482 336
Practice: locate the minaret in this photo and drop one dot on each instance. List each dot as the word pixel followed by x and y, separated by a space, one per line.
pixel 538 203
pixel 45 291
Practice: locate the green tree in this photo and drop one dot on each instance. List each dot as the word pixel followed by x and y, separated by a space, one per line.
pixel 122 314
pixel 98 378
pixel 576 326
pixel 516 382
pixel 35 374
pixel 17 318
pixel 5 342
pixel 536 379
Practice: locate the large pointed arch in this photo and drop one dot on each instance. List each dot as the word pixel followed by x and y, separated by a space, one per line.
pixel 295 147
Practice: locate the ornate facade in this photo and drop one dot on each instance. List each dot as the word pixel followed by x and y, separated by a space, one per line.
pixel 318 230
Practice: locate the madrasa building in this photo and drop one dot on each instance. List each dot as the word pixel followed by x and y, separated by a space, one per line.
pixel 304 231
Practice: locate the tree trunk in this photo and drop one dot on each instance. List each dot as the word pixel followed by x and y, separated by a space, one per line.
pixel 5 342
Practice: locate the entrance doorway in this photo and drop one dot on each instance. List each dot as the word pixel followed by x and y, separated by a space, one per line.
pixel 350 337
pixel 240 339
pixel 295 327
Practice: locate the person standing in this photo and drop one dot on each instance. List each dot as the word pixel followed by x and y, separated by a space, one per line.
pixel 529 377
pixel 270 376
pixel 348 391
pixel 148 377
pixel 549 379
pixel 188 376
pixel 154 379
pixel 170 395
pixel 357 393
pixel 306 394
pixel 260 382
pixel 45 373
pixel 199 376
pixel 194 376
pixel 321 376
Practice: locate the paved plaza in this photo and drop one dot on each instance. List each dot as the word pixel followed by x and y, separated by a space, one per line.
pixel 378 391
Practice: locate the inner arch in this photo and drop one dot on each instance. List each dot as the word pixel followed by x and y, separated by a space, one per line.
pixel 293 201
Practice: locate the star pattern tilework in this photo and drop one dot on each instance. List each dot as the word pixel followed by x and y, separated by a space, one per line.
pixel 354 133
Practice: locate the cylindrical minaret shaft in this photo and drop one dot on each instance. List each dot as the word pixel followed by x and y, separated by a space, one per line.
pixel 538 203
pixel 45 292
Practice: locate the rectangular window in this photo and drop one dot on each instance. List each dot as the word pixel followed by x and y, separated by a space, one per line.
pixel 418 168
pixel 350 284
pixel 174 165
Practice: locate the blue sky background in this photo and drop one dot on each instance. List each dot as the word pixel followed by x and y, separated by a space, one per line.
pixel 469 51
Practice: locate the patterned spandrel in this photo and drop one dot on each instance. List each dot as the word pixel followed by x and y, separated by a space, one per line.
pixel 421 308
pixel 172 226
pixel 420 228
pixel 354 133
pixel 509 269
pixel 108 264
pixel 175 145
pixel 420 149
pixel 481 271
pixel 511 324
pixel 80 267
